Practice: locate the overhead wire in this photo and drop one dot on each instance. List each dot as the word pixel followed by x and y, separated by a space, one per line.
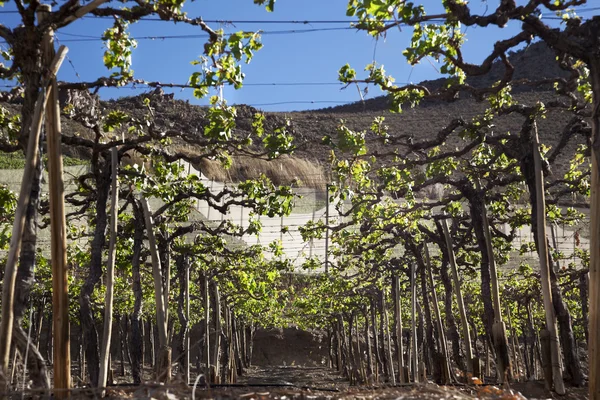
pixel 242 22
pixel 89 38
pixel 70 62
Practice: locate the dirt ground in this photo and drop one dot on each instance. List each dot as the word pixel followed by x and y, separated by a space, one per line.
pixel 291 364
pixel 315 383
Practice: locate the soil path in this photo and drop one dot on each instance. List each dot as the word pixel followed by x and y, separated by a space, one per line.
pixel 296 376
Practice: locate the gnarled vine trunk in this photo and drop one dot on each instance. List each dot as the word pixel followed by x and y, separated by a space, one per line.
pixel 137 338
pixel 567 338
pixel 453 334
pixel 86 312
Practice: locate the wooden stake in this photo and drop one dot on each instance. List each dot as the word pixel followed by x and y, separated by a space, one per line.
pixel 413 342
pixel 10 274
pixel 499 327
pixel 398 326
pixel 164 355
pixel 207 329
pixel 459 299
pixel 594 283
pixel 110 272
pixel 58 225
pixel 215 375
pixel 187 317
pixel 557 378
pixel 387 339
pixel 515 346
pixel 438 319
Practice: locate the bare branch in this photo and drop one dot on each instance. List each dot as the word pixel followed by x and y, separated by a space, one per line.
pixel 68 13
pixel 111 82
pixel 7 73
pixel 7 34
pixel 563 42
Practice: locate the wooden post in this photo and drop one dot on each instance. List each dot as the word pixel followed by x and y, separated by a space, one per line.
pixel 15 354
pixel 594 282
pixel 207 329
pixel 499 337
pixel 110 272
pixel 215 375
pixel 515 346
pixel 487 357
pixel 557 378
pixel 438 319
pixel 546 357
pixel 376 347
pixel 370 366
pixel 398 326
pixel 387 339
pixel 359 353
pixel 187 317
pixel 535 345
pixel 338 347
pixel 413 342
pixel 164 357
pixel 327 228
pixel 459 299
pixel 10 274
pixel 58 225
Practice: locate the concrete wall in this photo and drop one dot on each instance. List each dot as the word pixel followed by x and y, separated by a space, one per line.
pixel 313 209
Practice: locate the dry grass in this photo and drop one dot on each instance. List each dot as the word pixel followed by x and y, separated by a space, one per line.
pixel 282 171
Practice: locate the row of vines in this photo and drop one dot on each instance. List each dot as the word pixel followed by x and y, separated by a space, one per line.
pixel 416 285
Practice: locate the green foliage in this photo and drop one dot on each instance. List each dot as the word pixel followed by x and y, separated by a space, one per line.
pixel 578 176
pixel 436 41
pixel 374 13
pixel 12 160
pixel 346 74
pixel 270 4
pixel 502 99
pixel 220 62
pixel 16 161
pixel 10 126
pixel 119 47
pixel 115 119
pixel 279 141
pixel 268 200
pixel 8 206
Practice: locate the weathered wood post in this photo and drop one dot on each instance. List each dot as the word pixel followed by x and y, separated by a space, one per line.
pixel 215 374
pixel 557 378
pixel 459 299
pixel 10 274
pixel 413 342
pixel 206 351
pixel 387 339
pixel 446 377
pixel 188 331
pixel 398 328
pixel 499 337
pixel 110 272
pixel 594 286
pixel 58 224
pixel 327 228
pixel 163 364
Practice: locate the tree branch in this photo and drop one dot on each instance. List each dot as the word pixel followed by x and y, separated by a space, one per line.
pixel 7 34
pixel 68 13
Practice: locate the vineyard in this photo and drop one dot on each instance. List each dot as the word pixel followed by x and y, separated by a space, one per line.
pixel 439 241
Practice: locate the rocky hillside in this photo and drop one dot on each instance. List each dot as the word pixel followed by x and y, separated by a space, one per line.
pixel 532 63
pixel 310 161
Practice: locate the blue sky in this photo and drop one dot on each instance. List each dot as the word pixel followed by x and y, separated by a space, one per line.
pixel 309 57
